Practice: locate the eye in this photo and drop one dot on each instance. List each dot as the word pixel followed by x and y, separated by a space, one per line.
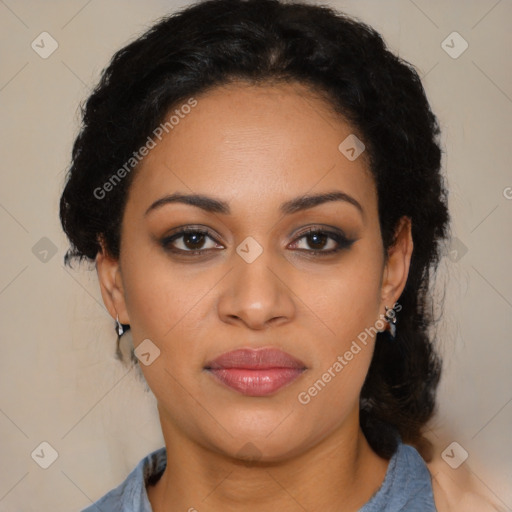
pixel 190 240
pixel 322 242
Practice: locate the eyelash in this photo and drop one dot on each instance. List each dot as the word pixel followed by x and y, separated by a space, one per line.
pixel 341 240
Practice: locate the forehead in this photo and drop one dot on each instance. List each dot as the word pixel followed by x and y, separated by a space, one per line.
pixel 253 143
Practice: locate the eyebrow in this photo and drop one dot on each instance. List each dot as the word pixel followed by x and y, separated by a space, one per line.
pixel 210 204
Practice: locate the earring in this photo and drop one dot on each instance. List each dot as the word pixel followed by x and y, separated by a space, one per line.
pixel 120 330
pixel 119 327
pixel 391 319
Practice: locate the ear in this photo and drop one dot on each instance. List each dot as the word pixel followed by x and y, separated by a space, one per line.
pixel 397 265
pixel 111 285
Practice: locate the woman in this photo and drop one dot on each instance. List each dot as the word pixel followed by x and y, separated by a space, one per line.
pixel 259 185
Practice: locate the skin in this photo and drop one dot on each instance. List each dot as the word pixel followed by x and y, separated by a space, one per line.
pixel 256 147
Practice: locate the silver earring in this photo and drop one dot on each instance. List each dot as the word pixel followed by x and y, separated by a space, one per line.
pixel 120 330
pixel 391 319
pixel 119 327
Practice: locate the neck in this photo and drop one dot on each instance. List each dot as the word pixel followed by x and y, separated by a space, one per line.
pixel 341 472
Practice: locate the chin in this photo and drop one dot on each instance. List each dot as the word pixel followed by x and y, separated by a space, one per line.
pixel 260 441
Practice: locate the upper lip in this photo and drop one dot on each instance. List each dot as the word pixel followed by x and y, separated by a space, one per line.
pixel 255 359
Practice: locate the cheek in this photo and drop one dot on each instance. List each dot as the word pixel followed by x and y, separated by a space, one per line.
pixel 168 304
pixel 346 318
pixel 347 300
pixel 154 291
pixel 349 309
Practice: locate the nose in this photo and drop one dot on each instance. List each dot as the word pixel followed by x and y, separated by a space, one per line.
pixel 257 294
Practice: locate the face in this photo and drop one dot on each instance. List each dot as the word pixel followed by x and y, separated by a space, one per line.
pixel 258 269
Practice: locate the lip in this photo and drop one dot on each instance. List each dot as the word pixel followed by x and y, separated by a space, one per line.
pixel 256 372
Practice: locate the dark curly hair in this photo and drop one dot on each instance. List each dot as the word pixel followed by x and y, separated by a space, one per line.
pixel 216 42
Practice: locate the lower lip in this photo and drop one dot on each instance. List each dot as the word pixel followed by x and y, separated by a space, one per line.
pixel 259 382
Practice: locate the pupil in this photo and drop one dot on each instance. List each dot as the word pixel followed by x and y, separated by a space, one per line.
pixel 197 240
pixel 316 236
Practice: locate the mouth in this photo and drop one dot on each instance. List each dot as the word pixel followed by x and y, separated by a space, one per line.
pixel 259 372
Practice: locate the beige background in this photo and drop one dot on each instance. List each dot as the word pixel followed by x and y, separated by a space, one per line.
pixel 59 380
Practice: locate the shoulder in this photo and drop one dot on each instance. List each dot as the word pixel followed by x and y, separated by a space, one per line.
pixel 461 489
pixel 407 486
pixel 130 495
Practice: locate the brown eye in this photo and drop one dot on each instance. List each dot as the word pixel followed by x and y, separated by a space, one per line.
pixel 319 241
pixel 189 241
pixel 193 241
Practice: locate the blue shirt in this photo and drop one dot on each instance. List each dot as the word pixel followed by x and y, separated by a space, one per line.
pixel 407 486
